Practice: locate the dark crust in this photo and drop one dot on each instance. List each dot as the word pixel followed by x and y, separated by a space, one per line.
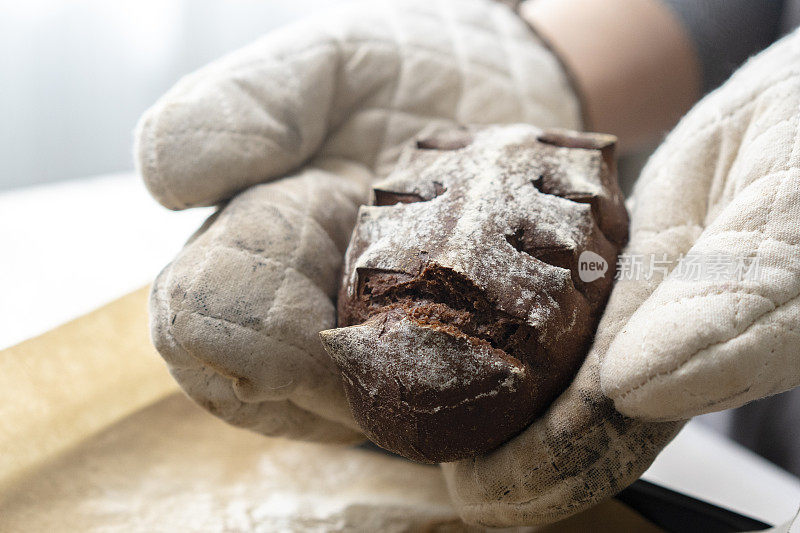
pixel 434 297
pixel 402 421
pixel 440 298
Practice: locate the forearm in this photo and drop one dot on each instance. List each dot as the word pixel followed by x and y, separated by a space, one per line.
pixel 632 60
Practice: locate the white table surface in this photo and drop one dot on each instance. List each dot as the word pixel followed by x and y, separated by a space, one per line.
pixel 68 248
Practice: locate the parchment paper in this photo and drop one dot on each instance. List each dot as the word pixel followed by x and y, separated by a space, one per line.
pixel 94 436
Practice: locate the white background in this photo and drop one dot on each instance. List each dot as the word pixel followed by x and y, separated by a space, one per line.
pixel 75 75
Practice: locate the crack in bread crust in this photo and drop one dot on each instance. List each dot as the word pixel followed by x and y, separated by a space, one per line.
pixel 443 299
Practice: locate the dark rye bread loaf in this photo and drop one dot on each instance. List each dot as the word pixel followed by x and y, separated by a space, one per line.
pixel 462 312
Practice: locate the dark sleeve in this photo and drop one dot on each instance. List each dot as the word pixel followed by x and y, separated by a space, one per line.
pixel 726 32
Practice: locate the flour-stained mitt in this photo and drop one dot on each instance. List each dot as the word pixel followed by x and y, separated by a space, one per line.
pixel 353 82
pixel 718 209
pixel 237 313
pixel 705 315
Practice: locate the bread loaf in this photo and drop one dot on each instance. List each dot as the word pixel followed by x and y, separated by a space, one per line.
pixel 463 310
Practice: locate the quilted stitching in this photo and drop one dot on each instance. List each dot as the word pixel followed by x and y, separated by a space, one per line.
pixel 478 485
pixel 207 245
pixel 311 421
pixel 494 46
pixel 760 111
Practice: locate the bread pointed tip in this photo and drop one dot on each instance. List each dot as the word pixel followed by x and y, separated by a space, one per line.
pixel 348 343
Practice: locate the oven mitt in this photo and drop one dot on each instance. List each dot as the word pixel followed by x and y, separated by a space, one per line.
pixel 723 189
pixel 318 109
pixel 720 201
pixel 578 453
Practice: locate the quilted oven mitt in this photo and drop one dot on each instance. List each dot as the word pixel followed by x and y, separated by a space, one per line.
pixel 325 106
pixel 724 186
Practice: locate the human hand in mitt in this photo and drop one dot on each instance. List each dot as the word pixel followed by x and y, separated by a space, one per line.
pixel 313 112
pixel 719 202
pixel 237 313
pixel 712 323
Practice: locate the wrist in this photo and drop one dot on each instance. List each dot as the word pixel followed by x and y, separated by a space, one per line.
pixel 634 80
pixel 586 123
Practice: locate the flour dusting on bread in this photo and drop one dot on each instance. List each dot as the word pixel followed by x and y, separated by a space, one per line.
pixel 461 311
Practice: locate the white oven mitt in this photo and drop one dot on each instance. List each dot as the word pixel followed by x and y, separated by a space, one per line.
pixel 237 313
pixel 724 186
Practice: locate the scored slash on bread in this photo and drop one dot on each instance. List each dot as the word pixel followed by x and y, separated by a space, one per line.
pixel 461 313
